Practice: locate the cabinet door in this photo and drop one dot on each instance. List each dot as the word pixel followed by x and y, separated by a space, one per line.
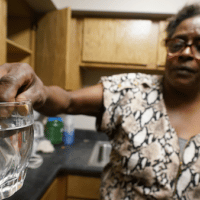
pixel 52 49
pixel 3 24
pixel 122 41
pixel 83 187
pixel 162 53
pixel 57 190
pixel 52 192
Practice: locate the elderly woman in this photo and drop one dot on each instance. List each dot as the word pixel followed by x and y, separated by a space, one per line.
pixel 152 121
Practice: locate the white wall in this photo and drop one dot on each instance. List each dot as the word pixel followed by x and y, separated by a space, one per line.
pixel 131 6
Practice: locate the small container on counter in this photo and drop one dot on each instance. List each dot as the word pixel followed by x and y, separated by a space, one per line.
pixel 54 129
pixel 68 133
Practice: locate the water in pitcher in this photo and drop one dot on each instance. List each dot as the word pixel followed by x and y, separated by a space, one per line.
pixel 15 150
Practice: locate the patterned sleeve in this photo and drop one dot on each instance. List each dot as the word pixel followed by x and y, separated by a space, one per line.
pixel 112 87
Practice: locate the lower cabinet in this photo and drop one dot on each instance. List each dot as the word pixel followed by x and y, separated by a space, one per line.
pixel 71 187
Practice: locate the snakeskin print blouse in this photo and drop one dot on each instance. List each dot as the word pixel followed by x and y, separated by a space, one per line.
pixel 145 161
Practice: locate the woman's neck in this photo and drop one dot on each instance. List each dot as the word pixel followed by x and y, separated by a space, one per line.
pixel 175 98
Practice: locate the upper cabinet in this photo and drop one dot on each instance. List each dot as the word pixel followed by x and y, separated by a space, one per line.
pixel 61 47
pixel 120 41
pixel 20 38
pixel 129 44
pixel 53 48
pixel 162 53
pixel 41 41
pixel 67 45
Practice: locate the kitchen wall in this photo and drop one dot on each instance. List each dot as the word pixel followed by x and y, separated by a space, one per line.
pixel 116 6
pixel 131 6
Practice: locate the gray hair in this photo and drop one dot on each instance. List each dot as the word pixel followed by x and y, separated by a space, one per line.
pixel 185 13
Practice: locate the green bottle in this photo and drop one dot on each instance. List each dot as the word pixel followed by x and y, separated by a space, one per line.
pixel 54 130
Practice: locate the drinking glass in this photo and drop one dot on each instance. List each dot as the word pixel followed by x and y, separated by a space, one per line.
pixel 16 140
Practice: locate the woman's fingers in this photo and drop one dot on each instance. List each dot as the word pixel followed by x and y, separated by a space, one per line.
pixel 14 78
pixel 35 93
pixel 19 82
pixel 22 110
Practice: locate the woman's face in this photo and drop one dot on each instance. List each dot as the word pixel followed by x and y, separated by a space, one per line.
pixel 183 68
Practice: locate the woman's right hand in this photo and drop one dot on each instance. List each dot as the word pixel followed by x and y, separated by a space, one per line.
pixel 19 81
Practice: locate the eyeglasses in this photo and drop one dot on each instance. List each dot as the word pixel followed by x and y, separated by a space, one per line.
pixel 176 45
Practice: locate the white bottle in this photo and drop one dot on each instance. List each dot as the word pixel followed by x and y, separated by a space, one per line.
pixel 68 133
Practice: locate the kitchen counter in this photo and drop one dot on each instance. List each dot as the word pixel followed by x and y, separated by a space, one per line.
pixel 65 159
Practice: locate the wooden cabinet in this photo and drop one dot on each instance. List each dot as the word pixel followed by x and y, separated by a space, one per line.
pixel 52 192
pixel 19 25
pixel 58 44
pixel 83 187
pixel 57 190
pixel 112 46
pixel 67 47
pixel 3 30
pixel 61 47
pixel 68 187
pixel 52 55
pixel 124 41
pixel 17 32
pixel 161 44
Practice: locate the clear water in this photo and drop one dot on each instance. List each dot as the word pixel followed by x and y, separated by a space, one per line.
pixel 15 151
